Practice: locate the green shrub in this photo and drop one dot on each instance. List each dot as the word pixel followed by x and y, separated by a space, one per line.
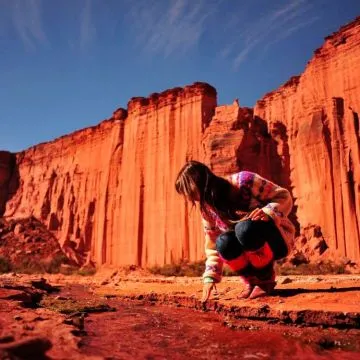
pixel 29 266
pixel 322 268
pixel 54 266
pixel 86 271
pixel 181 269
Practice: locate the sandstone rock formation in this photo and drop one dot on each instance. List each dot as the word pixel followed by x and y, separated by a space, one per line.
pixel 319 111
pixel 107 192
pixel 8 178
pixel 236 140
pixel 152 225
pixel 64 184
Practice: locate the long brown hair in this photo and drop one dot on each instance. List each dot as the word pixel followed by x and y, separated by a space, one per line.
pixel 198 183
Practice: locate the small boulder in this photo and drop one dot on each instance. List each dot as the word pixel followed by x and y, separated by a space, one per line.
pixel 28 348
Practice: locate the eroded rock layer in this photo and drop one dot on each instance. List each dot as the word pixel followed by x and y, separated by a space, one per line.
pixel 319 112
pixel 107 191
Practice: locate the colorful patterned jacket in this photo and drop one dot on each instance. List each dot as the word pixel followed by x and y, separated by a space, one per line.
pixel 255 192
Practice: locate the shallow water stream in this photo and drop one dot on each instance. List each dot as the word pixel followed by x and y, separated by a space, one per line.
pixel 138 331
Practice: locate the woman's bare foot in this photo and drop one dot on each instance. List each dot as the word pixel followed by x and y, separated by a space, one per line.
pixel 245 293
pixel 248 283
pixel 262 289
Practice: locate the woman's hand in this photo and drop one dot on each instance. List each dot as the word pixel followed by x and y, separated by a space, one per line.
pixel 258 214
pixel 207 289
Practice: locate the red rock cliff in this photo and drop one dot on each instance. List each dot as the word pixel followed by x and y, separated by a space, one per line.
pixel 235 140
pixel 161 132
pixel 319 112
pixel 108 191
pixel 72 184
pixel 8 178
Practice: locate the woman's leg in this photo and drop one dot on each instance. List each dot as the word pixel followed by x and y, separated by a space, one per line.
pixel 261 244
pixel 232 253
pixel 261 240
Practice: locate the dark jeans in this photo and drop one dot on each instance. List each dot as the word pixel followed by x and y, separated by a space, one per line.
pixel 249 237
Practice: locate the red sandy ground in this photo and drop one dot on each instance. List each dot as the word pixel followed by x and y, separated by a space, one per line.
pixel 320 301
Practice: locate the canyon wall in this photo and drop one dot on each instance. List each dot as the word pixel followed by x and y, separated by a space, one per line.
pixel 66 184
pixel 107 192
pixel 319 112
pixel 8 178
pixel 236 140
pixel 152 225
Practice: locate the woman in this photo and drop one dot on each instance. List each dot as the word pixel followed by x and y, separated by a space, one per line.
pixel 245 223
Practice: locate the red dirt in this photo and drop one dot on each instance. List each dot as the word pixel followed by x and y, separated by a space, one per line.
pixel 142 327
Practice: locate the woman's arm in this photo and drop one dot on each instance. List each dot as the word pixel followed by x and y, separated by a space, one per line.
pixel 277 201
pixel 213 264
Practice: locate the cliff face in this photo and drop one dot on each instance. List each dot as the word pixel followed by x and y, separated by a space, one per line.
pixel 66 184
pixel 107 192
pixel 235 140
pixel 320 113
pixel 161 132
pixel 8 178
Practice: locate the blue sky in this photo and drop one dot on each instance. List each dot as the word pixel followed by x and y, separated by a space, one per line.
pixel 67 64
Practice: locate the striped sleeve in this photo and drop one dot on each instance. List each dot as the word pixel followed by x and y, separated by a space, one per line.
pixel 277 200
pixel 213 264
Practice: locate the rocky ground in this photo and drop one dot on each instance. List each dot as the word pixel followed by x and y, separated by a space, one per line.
pixel 66 314
pixel 26 245
pixel 58 316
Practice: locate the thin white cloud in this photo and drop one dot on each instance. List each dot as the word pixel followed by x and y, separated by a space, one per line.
pixel 276 24
pixel 175 27
pixel 289 31
pixel 227 50
pixel 26 16
pixel 271 20
pixel 87 27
